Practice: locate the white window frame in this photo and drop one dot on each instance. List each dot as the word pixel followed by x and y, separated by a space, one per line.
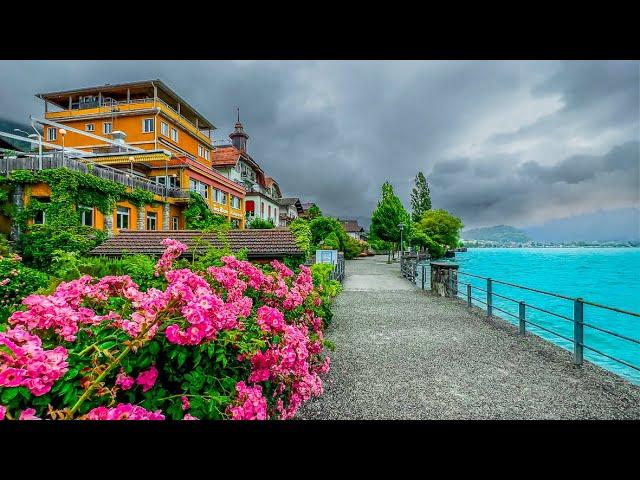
pixel 206 154
pixel 151 124
pixel 235 202
pixel 164 129
pixel 200 151
pixel 89 127
pixel 151 216
pixel 84 210
pixel 174 135
pixel 105 130
pixel 52 134
pixel 175 223
pixel 122 212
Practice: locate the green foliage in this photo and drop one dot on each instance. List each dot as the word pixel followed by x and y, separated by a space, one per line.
pixel 437 230
pixel 198 214
pixel 353 248
pixel 16 282
pixel 331 242
pixel 63 230
pixel 302 231
pixel 388 215
pixel 314 212
pixel 258 223
pixel 326 288
pixel 41 241
pixel 420 197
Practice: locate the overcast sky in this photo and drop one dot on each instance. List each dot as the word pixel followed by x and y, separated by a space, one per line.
pixel 501 142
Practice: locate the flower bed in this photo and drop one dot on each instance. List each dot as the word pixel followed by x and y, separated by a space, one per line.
pixel 235 341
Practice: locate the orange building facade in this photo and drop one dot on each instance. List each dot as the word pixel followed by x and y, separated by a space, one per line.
pixel 173 142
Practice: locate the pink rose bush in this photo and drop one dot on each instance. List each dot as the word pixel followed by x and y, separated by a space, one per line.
pixel 234 341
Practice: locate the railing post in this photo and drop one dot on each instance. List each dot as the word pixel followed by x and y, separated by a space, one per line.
pixel 469 295
pixel 521 318
pixel 423 270
pixel 578 331
pixel 489 298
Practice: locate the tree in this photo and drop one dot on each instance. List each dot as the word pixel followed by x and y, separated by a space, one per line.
pixel 438 230
pixel 387 216
pixel 420 197
pixel 314 212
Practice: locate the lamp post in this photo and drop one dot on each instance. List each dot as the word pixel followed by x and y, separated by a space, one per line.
pixel 63 132
pixel 401 227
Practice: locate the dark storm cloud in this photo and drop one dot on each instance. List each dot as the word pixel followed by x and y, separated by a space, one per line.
pixel 500 141
pixel 580 168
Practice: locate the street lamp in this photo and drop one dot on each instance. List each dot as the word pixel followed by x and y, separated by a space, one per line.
pixel 39 144
pixel 63 132
pixel 401 227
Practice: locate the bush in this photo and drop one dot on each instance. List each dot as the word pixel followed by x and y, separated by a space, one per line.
pixel 37 245
pixel 258 223
pixel 16 282
pixel 234 341
pixel 353 248
pixel 302 231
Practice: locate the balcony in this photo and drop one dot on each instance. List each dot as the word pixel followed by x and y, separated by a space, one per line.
pixel 109 106
pixel 56 160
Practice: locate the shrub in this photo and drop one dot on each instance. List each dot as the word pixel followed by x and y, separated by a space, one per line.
pixel 37 245
pixel 16 282
pixel 234 341
pixel 302 231
pixel 258 223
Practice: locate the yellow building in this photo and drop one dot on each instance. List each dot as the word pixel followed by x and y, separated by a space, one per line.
pixel 173 141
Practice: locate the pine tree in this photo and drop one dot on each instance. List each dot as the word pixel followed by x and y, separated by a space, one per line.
pixel 420 197
pixel 387 216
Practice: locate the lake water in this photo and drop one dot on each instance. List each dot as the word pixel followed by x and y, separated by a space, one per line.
pixel 609 276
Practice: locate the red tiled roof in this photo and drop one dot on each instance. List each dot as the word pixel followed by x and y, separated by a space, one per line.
pixel 270 243
pixel 225 156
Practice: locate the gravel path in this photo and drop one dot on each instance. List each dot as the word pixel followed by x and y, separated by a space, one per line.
pixel 405 354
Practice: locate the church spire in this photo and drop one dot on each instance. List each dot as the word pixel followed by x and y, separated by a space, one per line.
pixel 239 137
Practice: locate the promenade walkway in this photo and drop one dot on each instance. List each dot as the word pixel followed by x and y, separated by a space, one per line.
pixel 402 353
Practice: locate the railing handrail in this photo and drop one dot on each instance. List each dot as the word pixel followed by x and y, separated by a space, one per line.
pixel 99 170
pixel 577 320
pixel 586 302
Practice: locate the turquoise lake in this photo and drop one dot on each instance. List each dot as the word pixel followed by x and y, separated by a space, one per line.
pixel 609 276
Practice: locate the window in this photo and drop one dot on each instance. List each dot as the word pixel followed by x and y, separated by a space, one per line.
pixel 206 154
pixel 174 223
pixel 174 135
pixel 39 217
pixel 147 125
pixel 52 134
pixel 164 129
pixel 172 181
pixel 269 212
pixel 122 217
pixel 235 202
pixel 200 187
pixel 261 210
pixel 89 127
pixel 86 215
pixel 200 151
pixel 106 128
pixel 220 196
pixel 151 220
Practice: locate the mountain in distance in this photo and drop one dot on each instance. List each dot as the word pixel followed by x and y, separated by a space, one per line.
pixel 8 126
pixel 498 233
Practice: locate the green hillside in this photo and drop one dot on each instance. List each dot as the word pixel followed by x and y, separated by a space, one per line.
pixel 498 233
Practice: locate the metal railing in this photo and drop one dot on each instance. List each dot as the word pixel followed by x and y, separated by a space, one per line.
pixel 573 315
pixel 338 271
pixel 531 317
pixel 9 164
